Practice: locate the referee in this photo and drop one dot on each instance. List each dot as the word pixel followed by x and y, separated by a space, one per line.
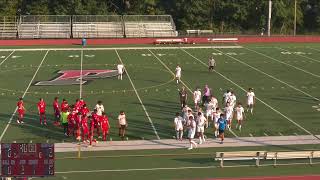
pixel 211 64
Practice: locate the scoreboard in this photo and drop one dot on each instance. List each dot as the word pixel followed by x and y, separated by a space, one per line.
pixel 27 160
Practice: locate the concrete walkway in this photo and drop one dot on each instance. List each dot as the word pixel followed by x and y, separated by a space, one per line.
pixel 174 144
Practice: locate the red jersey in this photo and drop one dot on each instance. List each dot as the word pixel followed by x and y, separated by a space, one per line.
pixel 20 107
pixel 95 118
pixel 42 106
pixel 64 106
pixel 55 105
pixel 85 111
pixel 81 103
pixel 78 105
pixel 104 122
pixel 84 123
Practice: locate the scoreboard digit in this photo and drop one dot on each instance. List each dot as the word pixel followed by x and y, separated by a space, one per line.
pixel 27 160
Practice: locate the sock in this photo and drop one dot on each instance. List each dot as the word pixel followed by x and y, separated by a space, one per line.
pixel 177 81
pixel 191 145
pixel 203 139
pixel 240 127
pixel 237 126
pixel 200 140
pixel 251 110
pixel 181 134
pixel 177 134
pixel 215 133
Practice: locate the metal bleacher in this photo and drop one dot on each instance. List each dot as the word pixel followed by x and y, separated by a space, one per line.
pixel 87 26
pixel 8 27
pixel 149 26
pixel 44 27
pixel 97 26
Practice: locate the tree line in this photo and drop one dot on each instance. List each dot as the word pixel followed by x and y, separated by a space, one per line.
pixel 222 16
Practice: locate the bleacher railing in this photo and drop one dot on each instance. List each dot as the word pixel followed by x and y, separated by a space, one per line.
pixel 8 27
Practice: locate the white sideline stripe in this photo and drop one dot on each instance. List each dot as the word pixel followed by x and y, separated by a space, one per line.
pixel 25 92
pixel 289 119
pixel 135 90
pixel 123 48
pixel 181 80
pixel 318 76
pixel 270 76
pixel 7 57
pixel 300 55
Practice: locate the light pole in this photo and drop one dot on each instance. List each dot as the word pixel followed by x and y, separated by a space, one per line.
pixel 269 17
pixel 295 18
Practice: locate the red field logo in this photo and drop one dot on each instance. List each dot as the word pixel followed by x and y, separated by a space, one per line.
pixel 72 77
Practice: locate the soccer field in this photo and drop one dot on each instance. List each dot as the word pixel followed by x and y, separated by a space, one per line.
pixel 285 78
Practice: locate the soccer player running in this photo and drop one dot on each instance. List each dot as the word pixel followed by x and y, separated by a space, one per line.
pixel 122 122
pixel 229 114
pixel 120 68
pixel 178 74
pixel 191 126
pixel 201 121
pixel 211 64
pixel 56 111
pixel 183 97
pixel 239 111
pixel 21 111
pixel 251 100
pixel 42 111
pixel 222 125
pixel 196 98
pixel 178 126
pixel 96 121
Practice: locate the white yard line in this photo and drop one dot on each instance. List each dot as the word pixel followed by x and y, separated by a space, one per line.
pixel 262 72
pixel 7 57
pixel 275 110
pixel 138 96
pixel 123 48
pixel 300 69
pixel 81 69
pixel 232 132
pixel 300 55
pixel 25 92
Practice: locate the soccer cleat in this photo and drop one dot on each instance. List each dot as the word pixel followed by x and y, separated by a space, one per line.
pixel 65 134
pixel 18 121
pixel 190 148
pixel 45 123
pixel 22 122
pixel 221 142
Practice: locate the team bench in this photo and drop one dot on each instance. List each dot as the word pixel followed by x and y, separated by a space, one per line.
pixel 264 155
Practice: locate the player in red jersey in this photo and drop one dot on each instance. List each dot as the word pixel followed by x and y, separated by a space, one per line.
pixel 21 111
pixel 72 121
pixel 92 127
pixel 64 105
pixel 84 110
pixel 96 121
pixel 85 129
pixel 77 105
pixel 105 126
pixel 56 111
pixel 77 127
pixel 42 111
pixel 81 102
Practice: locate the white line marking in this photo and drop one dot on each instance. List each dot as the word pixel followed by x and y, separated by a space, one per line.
pixel 123 48
pixel 181 80
pixel 280 134
pixel 25 92
pixel 7 57
pixel 250 135
pixel 81 69
pixel 262 72
pixel 289 119
pixel 300 55
pixel 135 90
pixel 300 69
pixel 265 134
pixel 296 134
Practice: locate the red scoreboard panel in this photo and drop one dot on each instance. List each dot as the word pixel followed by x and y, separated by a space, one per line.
pixel 27 160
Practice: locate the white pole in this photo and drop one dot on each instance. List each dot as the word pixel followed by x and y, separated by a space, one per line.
pixel 269 17
pixel 295 18
pixel 81 59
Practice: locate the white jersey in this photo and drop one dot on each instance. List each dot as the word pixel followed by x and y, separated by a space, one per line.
pixel 233 100
pixel 210 108
pixel 192 128
pixel 201 120
pixel 178 123
pixel 239 113
pixel 214 101
pixel 197 95
pixel 226 97
pixel 216 116
pixel 229 112
pixel 122 119
pixel 100 109
pixel 120 68
pixel 250 96
pixel 178 71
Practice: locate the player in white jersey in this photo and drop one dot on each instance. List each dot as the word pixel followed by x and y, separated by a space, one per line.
pixel 191 126
pixel 226 97
pixel 178 125
pixel 216 116
pixel 239 112
pixel 196 98
pixel 100 108
pixel 120 68
pixel 232 99
pixel 178 73
pixel 211 107
pixel 251 100
pixel 229 114
pixel 201 121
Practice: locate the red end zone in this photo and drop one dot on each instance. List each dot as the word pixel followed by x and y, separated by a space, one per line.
pixel 312 177
pixel 183 40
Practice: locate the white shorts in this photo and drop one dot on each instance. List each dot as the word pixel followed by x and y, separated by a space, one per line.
pixel 197 101
pixel 120 72
pixel 178 75
pixel 216 125
pixel 200 129
pixel 191 134
pixel 179 128
pixel 228 116
pixel 240 118
pixel 250 102
pixel 209 113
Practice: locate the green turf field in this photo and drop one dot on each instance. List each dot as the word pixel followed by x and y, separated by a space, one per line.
pixel 285 78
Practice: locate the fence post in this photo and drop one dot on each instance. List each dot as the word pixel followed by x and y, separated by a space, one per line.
pixel 258 159
pixel 221 161
pixel 310 158
pixel 275 159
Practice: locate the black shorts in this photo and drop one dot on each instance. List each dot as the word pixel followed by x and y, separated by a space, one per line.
pixel 211 67
pixel 122 127
pixel 221 131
